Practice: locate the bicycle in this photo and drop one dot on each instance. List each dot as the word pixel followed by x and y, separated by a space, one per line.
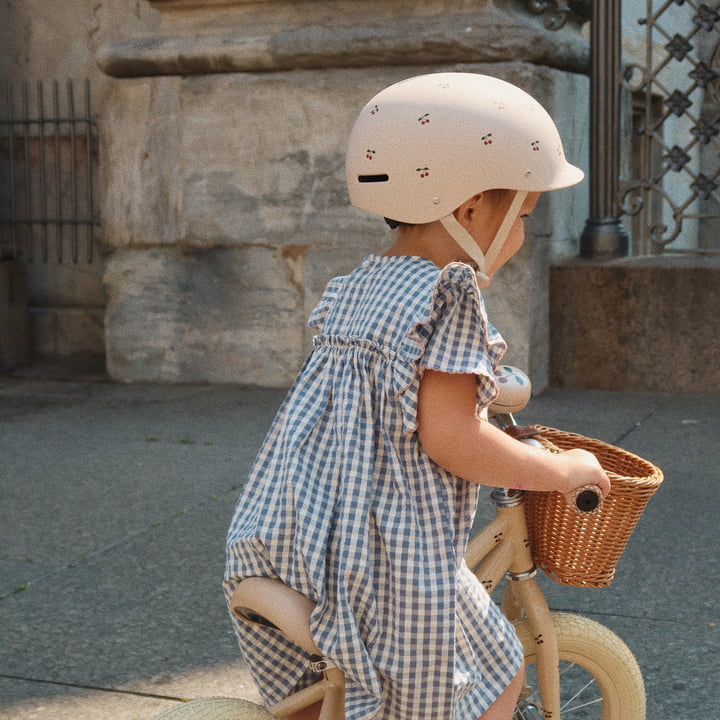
pixel 575 667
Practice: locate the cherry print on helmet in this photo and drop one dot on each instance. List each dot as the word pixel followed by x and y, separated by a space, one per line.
pixel 479 138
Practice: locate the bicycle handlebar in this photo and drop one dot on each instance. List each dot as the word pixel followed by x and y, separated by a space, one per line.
pixel 585 499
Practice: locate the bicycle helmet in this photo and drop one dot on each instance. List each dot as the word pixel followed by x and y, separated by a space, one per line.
pixel 423 146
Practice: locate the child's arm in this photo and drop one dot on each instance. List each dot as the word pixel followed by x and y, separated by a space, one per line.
pixel 479 452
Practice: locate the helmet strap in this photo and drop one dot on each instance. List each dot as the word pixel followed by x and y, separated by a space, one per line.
pixel 504 230
pixel 465 240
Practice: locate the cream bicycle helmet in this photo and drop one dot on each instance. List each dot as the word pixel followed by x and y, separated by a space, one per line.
pixel 422 147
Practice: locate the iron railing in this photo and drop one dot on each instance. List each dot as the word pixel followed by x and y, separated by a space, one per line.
pixel 667 192
pixel 673 197
pixel 48 148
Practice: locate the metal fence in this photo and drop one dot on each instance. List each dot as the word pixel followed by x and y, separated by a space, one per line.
pixel 673 195
pixel 48 161
pixel 654 153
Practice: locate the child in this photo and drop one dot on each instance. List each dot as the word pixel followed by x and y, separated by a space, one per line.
pixel 363 493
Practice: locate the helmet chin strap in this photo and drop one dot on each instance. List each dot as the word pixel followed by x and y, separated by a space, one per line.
pixel 465 240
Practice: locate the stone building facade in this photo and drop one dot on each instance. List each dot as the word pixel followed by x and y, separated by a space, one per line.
pixel 56 309
pixel 222 131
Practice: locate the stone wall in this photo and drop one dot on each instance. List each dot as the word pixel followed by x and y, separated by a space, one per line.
pixel 224 205
pixel 223 125
pixel 224 199
pixel 648 324
pixel 41 41
pixel 13 315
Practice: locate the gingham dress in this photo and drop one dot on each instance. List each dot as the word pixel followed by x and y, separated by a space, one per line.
pixel 344 506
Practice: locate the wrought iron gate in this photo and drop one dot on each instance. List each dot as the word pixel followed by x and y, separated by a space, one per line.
pixel 673 193
pixel 668 189
pixel 48 153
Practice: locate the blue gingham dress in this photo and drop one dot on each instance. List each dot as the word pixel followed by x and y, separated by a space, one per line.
pixel 344 505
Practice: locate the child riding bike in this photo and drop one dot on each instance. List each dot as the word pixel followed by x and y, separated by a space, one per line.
pixel 363 493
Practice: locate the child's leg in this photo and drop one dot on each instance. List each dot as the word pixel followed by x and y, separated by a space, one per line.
pixel 504 707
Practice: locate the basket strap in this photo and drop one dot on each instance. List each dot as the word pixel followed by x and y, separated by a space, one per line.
pixel 522 432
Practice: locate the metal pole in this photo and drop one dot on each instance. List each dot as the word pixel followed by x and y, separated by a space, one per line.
pixel 604 235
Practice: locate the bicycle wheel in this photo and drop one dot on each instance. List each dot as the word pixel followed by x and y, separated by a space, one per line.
pixel 599 676
pixel 216 708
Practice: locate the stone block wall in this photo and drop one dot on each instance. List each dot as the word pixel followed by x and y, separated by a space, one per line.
pixel 223 125
pixel 13 314
pixel 41 41
pixel 225 212
pixel 648 324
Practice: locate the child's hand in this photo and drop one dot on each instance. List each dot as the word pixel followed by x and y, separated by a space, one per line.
pixel 583 468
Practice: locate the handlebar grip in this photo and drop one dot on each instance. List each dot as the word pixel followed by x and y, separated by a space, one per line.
pixel 585 499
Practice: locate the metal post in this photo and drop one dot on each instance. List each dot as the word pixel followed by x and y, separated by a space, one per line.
pixel 604 235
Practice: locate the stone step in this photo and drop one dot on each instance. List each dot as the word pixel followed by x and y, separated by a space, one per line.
pixel 649 324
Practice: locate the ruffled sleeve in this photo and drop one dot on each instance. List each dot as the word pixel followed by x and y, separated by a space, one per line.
pixel 455 336
pixel 318 315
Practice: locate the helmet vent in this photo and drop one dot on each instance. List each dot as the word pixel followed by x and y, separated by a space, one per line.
pixel 383 177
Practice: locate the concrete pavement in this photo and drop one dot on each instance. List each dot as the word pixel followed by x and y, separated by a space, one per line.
pixel 115 499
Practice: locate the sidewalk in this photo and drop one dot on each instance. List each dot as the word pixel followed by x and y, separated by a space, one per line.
pixel 115 499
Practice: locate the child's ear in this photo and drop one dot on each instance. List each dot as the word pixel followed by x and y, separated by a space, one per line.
pixel 464 214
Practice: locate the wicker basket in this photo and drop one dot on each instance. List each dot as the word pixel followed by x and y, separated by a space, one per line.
pixel 583 550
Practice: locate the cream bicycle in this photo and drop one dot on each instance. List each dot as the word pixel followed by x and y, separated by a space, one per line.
pixel 575 667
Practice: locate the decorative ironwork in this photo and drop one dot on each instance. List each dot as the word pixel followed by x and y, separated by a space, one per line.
pixel 703 74
pixel 673 196
pixel 677 158
pixel 679 47
pixel 556 12
pixel 706 17
pixel 704 131
pixel 678 103
pixel 49 158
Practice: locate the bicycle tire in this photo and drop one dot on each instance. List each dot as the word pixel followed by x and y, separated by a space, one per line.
pixel 217 708
pixel 589 652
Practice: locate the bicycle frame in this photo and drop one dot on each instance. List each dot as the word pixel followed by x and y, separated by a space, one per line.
pixel 502 548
